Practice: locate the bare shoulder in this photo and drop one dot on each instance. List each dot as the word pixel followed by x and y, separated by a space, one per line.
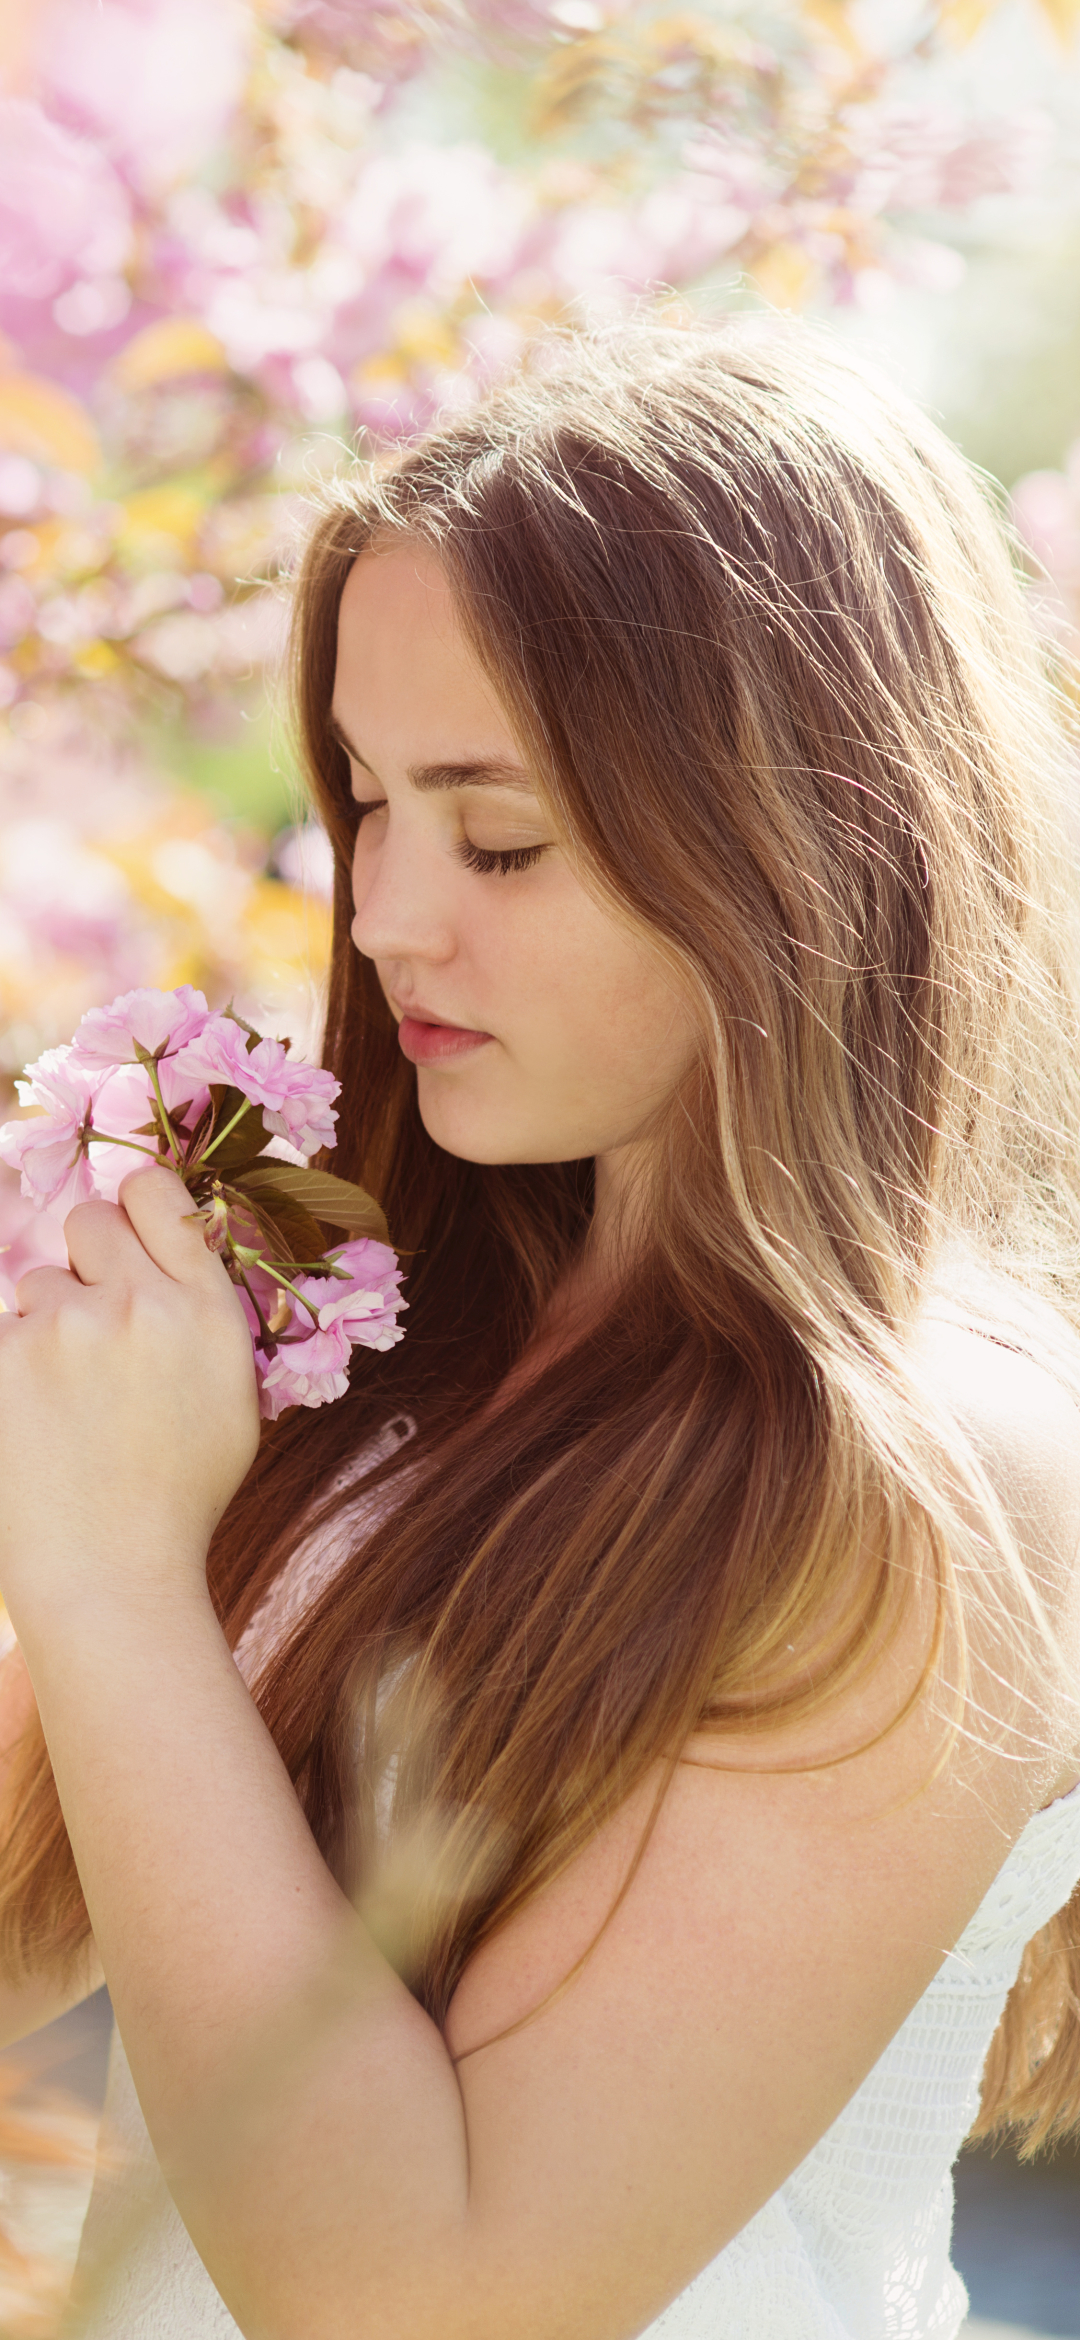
pixel 1006 1368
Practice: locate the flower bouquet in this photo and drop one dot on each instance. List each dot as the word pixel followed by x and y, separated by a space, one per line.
pixel 159 1074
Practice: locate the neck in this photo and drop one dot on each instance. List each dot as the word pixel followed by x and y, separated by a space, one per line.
pixel 617 1221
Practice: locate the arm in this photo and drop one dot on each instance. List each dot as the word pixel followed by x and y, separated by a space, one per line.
pixel 338 2171
pixel 25 2006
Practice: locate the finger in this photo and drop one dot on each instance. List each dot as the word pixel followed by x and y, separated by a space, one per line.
pixel 43 1288
pixel 164 1218
pixel 102 1244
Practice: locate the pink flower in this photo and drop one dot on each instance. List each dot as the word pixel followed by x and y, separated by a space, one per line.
pixel 49 1151
pixel 124 1105
pixel 304 1373
pixel 295 1098
pixel 155 83
pixel 365 1309
pixel 99 1119
pixel 153 1019
pixel 296 1101
pixel 313 1370
pixel 63 211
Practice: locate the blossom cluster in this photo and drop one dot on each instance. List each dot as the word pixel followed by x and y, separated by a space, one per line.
pixel 158 1076
pixel 112 878
pixel 227 223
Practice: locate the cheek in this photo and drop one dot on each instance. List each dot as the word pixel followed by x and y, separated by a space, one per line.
pixel 594 995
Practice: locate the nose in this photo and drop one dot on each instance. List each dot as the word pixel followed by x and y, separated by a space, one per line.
pixel 400 897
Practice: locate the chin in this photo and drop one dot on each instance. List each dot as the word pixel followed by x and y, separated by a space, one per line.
pixel 483 1138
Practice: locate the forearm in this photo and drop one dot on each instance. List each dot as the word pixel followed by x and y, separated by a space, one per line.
pixel 304 2108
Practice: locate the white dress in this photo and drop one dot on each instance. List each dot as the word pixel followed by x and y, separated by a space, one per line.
pixel 855 2245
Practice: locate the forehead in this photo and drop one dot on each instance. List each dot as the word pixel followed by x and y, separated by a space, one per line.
pixel 406 675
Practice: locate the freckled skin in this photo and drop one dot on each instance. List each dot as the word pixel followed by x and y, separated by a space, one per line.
pixel 589 1033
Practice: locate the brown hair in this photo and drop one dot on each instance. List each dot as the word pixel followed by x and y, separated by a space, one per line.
pixel 759 633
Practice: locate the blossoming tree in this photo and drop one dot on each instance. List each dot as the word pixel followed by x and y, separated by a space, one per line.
pixel 239 236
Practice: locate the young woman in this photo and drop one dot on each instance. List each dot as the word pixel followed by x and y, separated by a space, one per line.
pixel 587 1902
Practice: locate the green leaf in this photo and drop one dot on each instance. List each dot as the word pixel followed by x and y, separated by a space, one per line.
pixel 244 1143
pixel 335 1201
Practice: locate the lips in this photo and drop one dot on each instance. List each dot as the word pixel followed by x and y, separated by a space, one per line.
pixel 426 1042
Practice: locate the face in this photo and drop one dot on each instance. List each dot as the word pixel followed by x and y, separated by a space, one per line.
pixel 543 1025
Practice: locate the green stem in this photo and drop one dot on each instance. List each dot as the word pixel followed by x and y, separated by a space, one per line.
pixel 222 1134
pixel 100 1137
pixel 287 1287
pixel 310 1267
pixel 170 1137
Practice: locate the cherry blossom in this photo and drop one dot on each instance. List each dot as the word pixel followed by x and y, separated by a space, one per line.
pixel 152 1078
pixel 64 213
pixel 223 225
pixel 312 1370
pixel 50 1150
pixel 296 1098
pixel 152 1020
pixel 365 1313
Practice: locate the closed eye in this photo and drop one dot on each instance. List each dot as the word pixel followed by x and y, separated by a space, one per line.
pixel 487 861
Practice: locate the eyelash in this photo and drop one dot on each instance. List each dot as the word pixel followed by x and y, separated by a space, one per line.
pixel 486 862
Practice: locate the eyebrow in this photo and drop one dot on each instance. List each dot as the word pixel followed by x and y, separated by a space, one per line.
pixel 475 772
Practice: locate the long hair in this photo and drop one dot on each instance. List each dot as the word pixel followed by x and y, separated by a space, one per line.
pixel 757 629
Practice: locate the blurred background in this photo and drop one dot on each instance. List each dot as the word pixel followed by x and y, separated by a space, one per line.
pixel 243 242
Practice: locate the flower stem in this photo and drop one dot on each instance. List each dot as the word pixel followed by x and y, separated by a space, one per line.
pixel 170 1137
pixel 287 1287
pixel 309 1267
pixel 222 1134
pixel 267 1339
pixel 100 1137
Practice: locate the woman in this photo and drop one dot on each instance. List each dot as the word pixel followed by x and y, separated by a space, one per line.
pixel 662 1738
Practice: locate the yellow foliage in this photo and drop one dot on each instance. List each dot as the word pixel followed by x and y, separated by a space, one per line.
pixel 170 347
pixel 39 419
pixel 161 519
pixel 961 19
pixel 377 373
pixel 66 548
pixel 287 930
pixel 575 80
pixel 832 17
pixel 964 18
pixel 95 660
pixel 423 337
pixel 785 275
pixel 1063 15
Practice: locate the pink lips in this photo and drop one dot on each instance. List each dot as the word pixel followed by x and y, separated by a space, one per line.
pixel 425 1043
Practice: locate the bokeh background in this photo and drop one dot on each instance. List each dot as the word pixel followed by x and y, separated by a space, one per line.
pixel 243 241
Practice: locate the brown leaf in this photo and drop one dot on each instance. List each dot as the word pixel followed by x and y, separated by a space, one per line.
pixel 335 1201
pixel 291 1231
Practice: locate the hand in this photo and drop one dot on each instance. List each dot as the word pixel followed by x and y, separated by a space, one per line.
pixel 128 1404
